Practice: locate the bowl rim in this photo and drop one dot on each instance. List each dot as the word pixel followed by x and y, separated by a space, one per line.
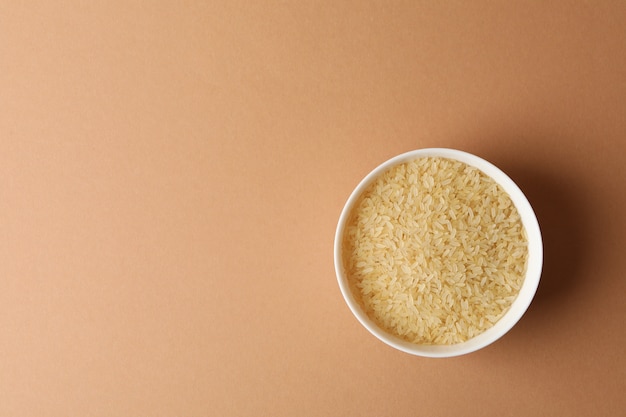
pixel 533 270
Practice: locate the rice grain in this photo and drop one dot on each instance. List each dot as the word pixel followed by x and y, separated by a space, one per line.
pixel 435 251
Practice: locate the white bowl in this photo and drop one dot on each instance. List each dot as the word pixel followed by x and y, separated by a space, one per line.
pixel 526 293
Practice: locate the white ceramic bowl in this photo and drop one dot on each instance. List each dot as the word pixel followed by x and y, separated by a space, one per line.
pixel 531 280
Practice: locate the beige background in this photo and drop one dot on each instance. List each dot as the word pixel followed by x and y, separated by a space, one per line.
pixel 171 174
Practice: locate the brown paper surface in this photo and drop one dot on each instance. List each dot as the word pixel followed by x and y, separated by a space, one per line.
pixel 171 175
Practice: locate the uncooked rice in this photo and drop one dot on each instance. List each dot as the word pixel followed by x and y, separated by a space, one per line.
pixel 435 251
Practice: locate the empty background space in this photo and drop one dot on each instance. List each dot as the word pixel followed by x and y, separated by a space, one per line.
pixel 172 172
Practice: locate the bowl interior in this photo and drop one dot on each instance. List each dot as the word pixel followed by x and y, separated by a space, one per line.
pixel 529 286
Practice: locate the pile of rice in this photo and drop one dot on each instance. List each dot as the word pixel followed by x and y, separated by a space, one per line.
pixel 435 251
